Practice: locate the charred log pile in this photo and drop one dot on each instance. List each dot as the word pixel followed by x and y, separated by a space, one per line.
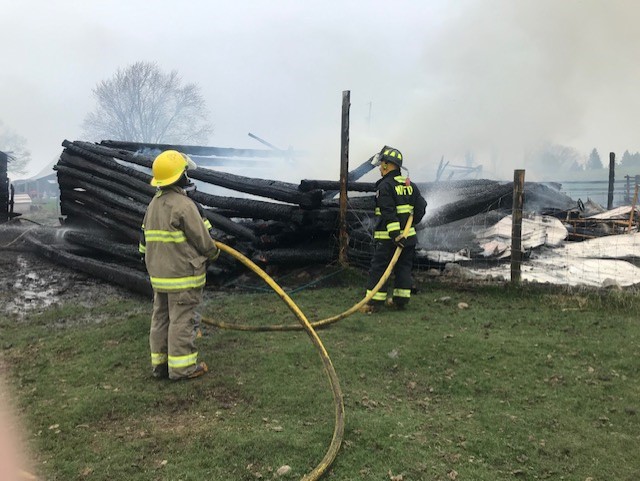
pixel 104 189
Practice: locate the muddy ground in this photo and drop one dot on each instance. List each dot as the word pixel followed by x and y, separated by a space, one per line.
pixel 30 284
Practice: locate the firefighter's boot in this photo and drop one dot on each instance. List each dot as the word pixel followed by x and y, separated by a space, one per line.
pixel 371 307
pixel 398 303
pixel 161 371
pixel 201 370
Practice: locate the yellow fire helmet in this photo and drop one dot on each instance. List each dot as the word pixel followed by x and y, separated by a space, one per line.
pixel 169 166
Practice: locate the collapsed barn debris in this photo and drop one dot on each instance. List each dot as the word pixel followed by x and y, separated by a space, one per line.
pixel 104 191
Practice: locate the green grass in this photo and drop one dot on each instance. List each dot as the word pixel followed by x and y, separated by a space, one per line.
pixel 526 383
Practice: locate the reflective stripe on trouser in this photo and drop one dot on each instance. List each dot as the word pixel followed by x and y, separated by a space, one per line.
pixel 402 293
pixel 174 325
pixel 402 271
pixel 378 296
pixel 158 358
pixel 382 235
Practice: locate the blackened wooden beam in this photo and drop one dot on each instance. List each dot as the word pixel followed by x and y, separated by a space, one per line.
pixel 120 181
pixel 493 198
pixel 246 208
pixel 296 256
pixel 195 150
pixel 113 273
pixel 273 189
pixel 105 195
pixel 105 159
pixel 227 225
pixel 308 185
pixel 90 203
pixel 66 172
pixel 99 241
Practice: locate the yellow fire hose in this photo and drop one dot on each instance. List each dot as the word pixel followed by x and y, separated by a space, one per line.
pixel 322 322
pixel 338 398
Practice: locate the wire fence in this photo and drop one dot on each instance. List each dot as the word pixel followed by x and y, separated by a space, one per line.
pixel 598 190
pixel 565 247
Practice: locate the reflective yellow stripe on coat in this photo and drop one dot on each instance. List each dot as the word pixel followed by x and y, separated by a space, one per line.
pixel 164 236
pixel 178 283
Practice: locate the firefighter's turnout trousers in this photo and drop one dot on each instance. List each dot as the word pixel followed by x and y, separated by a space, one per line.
pixel 383 252
pixel 174 326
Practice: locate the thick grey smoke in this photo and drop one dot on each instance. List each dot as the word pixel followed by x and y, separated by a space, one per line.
pixel 432 78
pixel 504 76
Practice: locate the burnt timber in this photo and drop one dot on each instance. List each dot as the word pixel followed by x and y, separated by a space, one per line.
pixel 104 191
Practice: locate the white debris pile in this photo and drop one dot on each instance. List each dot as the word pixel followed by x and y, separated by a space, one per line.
pixel 600 262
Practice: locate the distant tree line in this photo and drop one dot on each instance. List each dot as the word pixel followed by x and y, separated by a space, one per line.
pixel 628 161
pixel 549 158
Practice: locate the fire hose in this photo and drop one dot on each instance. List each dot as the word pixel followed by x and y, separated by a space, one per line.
pixel 338 397
pixel 322 322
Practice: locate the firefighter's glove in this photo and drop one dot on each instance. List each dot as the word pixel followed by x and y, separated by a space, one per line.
pixel 214 255
pixel 400 241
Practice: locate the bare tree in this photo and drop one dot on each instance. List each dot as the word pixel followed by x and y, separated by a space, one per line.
pixel 143 104
pixel 16 147
pixel 549 159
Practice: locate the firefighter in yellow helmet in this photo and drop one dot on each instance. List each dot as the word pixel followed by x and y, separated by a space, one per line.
pixel 176 245
pixel 396 199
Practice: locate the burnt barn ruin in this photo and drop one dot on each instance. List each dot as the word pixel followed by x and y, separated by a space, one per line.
pixel 104 191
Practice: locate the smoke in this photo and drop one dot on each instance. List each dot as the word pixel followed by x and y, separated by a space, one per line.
pixel 495 78
pixel 504 77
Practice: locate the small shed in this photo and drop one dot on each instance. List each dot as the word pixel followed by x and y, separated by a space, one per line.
pixel 21 203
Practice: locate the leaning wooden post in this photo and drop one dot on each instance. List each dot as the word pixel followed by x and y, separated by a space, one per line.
pixel 633 208
pixel 516 225
pixel 343 237
pixel 612 175
pixel 4 188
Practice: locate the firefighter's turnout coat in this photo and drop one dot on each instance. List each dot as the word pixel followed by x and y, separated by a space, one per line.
pixel 176 245
pixel 176 242
pixel 396 199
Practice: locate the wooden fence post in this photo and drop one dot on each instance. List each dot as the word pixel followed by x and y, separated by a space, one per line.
pixel 516 225
pixel 4 188
pixel 343 237
pixel 612 170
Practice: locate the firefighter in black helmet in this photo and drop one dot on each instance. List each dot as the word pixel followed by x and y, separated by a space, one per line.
pixel 396 199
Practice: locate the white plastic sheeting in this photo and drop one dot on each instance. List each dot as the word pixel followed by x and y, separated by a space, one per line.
pixel 594 262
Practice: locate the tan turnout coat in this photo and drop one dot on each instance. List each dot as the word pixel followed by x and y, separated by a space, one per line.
pixel 176 242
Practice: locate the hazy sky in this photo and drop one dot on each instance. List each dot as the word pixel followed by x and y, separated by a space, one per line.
pixel 431 77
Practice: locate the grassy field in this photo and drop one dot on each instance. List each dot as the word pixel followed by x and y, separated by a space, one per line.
pixel 516 383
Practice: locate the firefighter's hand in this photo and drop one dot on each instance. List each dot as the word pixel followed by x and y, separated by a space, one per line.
pixel 399 241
